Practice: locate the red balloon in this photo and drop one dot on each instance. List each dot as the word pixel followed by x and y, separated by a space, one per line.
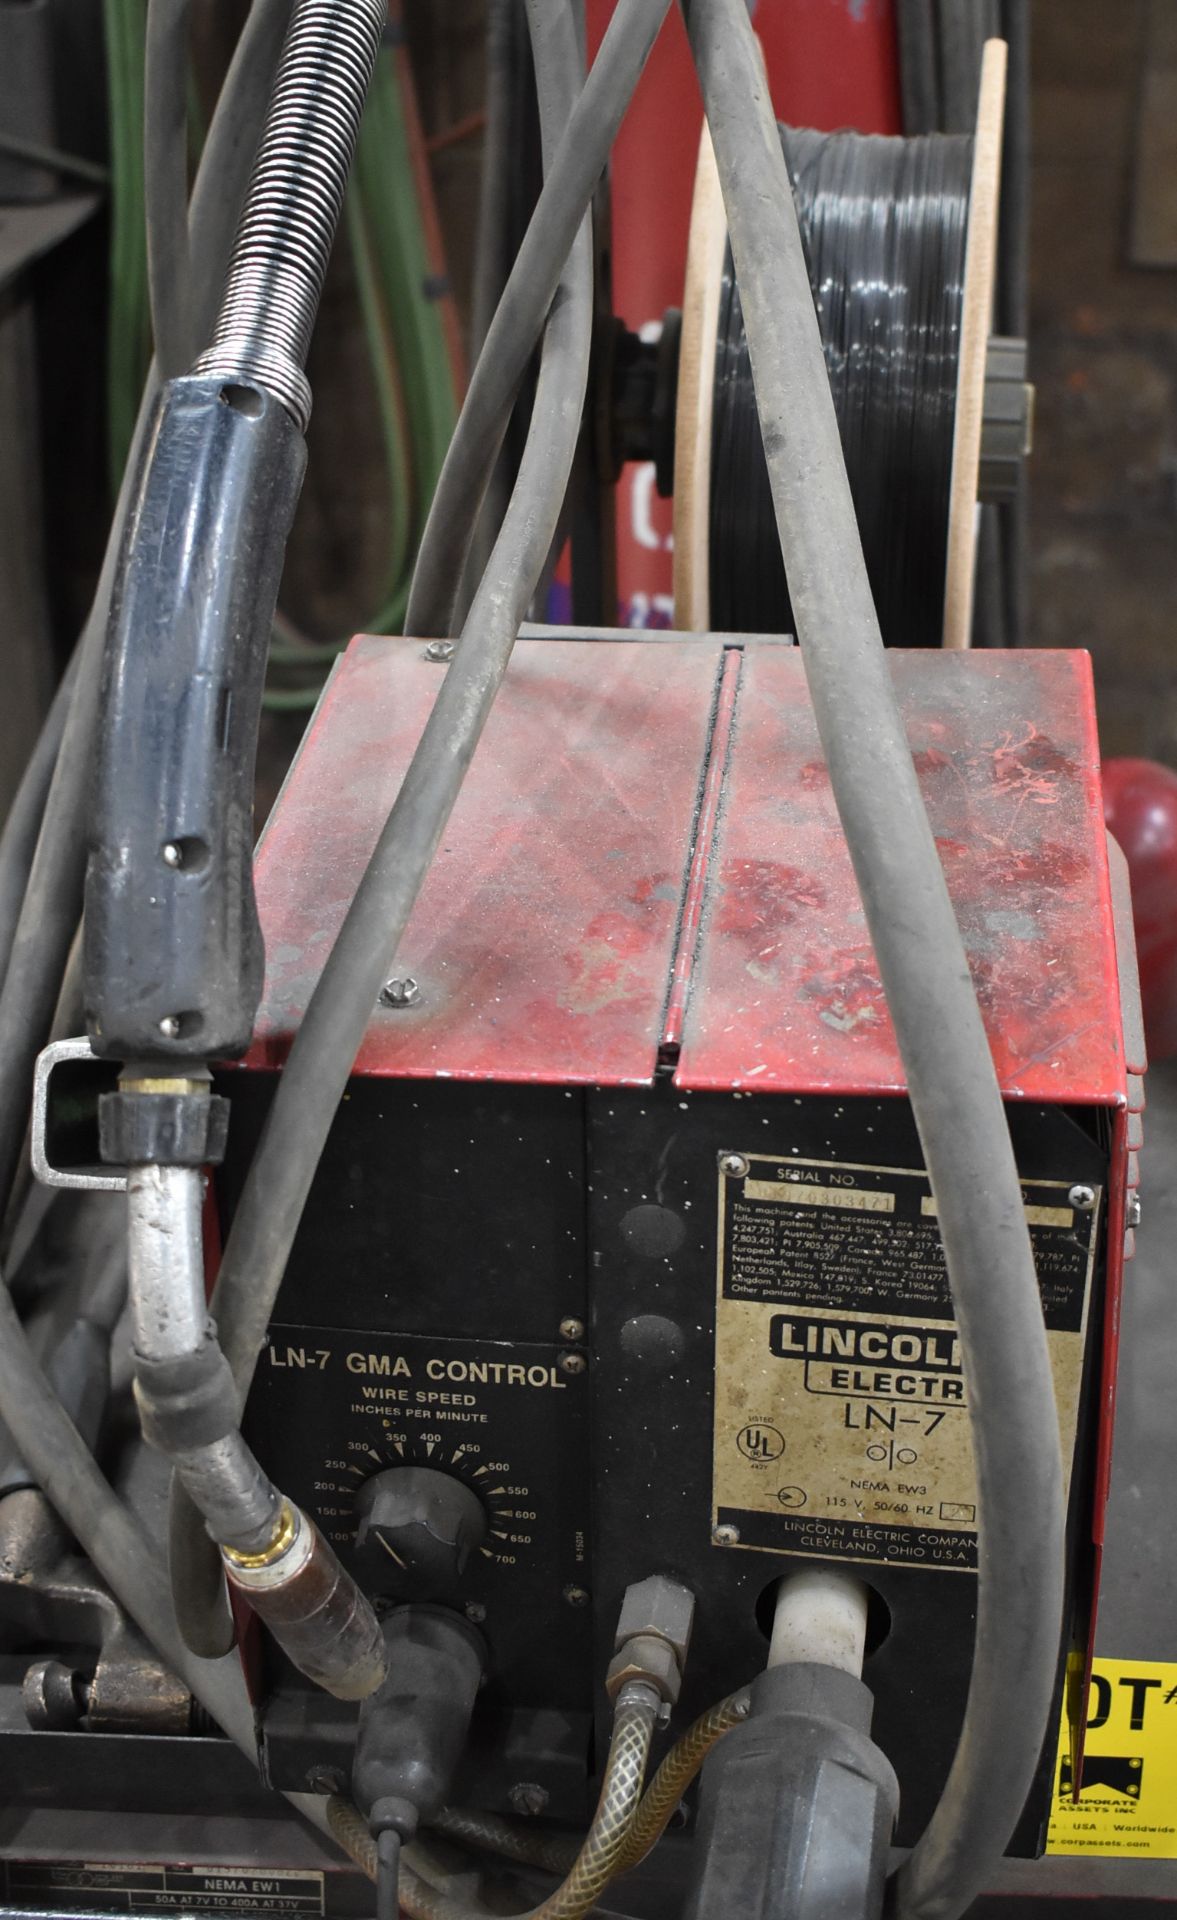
pixel 1140 808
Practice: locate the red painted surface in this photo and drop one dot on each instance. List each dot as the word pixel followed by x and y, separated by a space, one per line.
pixel 1140 805
pixel 786 995
pixel 544 937
pixel 831 63
pixel 547 938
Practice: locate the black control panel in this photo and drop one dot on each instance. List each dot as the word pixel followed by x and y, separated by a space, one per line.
pixel 537 1343
pixel 507 1424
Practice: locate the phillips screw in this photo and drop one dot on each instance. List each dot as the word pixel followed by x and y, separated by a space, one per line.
pixel 400 993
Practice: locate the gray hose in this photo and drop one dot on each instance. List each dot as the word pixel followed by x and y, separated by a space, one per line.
pixel 492 257
pixel 53 898
pixel 321 1058
pixel 22 824
pixel 924 970
pixel 165 184
pixel 530 288
pixel 316 1072
pixel 490 264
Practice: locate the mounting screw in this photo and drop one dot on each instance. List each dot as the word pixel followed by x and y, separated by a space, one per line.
pixel 572 1329
pixel 726 1536
pixel 576 1596
pixel 442 650
pixel 735 1165
pixel 400 993
pixel 326 1780
pixel 172 855
pixel 1133 1213
pixel 475 1612
pixel 1083 1198
pixel 572 1363
pixel 169 1026
pixel 528 1797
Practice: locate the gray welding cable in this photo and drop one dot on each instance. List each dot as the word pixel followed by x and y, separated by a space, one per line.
pixel 325 1047
pixel 165 185
pixel 924 970
pixel 321 1058
pixel 531 285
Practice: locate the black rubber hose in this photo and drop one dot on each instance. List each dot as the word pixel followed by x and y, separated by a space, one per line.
pixel 388 1864
pixel 490 262
pixel 1013 290
pixel 963 28
pixel 492 253
pixel 918 81
pixel 22 825
pixel 53 898
pixel 165 184
pixel 924 970
pixel 320 1061
pixel 527 296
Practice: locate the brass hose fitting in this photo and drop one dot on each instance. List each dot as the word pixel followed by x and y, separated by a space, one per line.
pixel 313 1608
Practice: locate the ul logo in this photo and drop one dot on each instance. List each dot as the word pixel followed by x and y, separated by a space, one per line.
pixel 761 1443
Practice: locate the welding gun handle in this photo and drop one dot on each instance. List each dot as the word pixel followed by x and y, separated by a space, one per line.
pixel 173 949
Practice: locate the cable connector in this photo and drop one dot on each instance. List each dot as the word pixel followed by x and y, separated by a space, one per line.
pixel 652 1638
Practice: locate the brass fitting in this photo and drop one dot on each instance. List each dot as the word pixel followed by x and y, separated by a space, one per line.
pixel 313 1608
pixel 283 1538
pixel 652 1638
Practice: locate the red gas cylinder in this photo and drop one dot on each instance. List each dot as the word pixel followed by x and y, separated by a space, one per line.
pixel 1140 807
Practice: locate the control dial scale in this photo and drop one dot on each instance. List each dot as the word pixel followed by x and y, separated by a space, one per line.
pixel 452 1470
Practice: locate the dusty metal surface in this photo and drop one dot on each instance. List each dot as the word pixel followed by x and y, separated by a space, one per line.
pixel 557 921
pixel 543 940
pixel 785 993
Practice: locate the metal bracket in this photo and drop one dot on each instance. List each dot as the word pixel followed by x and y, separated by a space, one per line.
pixel 61 1066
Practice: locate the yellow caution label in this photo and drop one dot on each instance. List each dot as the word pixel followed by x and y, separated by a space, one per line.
pixel 1127 1801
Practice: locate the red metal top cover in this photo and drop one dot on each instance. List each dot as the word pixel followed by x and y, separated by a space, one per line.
pixel 549 929
pixel 544 936
pixel 785 995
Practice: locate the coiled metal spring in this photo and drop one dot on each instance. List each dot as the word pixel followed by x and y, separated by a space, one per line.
pixel 294 201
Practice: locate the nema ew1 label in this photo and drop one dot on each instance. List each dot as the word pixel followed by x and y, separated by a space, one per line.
pixel 841 1408
pixel 1127 1800
pixel 88 1886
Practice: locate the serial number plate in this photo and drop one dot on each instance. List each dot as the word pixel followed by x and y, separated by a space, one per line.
pixel 841 1407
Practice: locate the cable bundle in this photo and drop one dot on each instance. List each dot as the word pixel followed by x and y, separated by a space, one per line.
pixel 883 224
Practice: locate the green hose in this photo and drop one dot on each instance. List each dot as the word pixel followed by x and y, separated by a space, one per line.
pixel 408 355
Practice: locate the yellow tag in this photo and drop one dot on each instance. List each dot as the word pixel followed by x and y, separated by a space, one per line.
pixel 1128 1800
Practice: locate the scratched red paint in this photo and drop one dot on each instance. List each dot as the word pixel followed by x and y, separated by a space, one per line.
pixel 545 933
pixel 1005 747
pixel 544 940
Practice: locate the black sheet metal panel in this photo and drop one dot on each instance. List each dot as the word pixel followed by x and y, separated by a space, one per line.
pixel 655 1256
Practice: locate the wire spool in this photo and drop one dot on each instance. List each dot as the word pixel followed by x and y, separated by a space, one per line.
pixel 898 238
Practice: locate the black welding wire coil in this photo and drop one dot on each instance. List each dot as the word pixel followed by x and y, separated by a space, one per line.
pixel 883 222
